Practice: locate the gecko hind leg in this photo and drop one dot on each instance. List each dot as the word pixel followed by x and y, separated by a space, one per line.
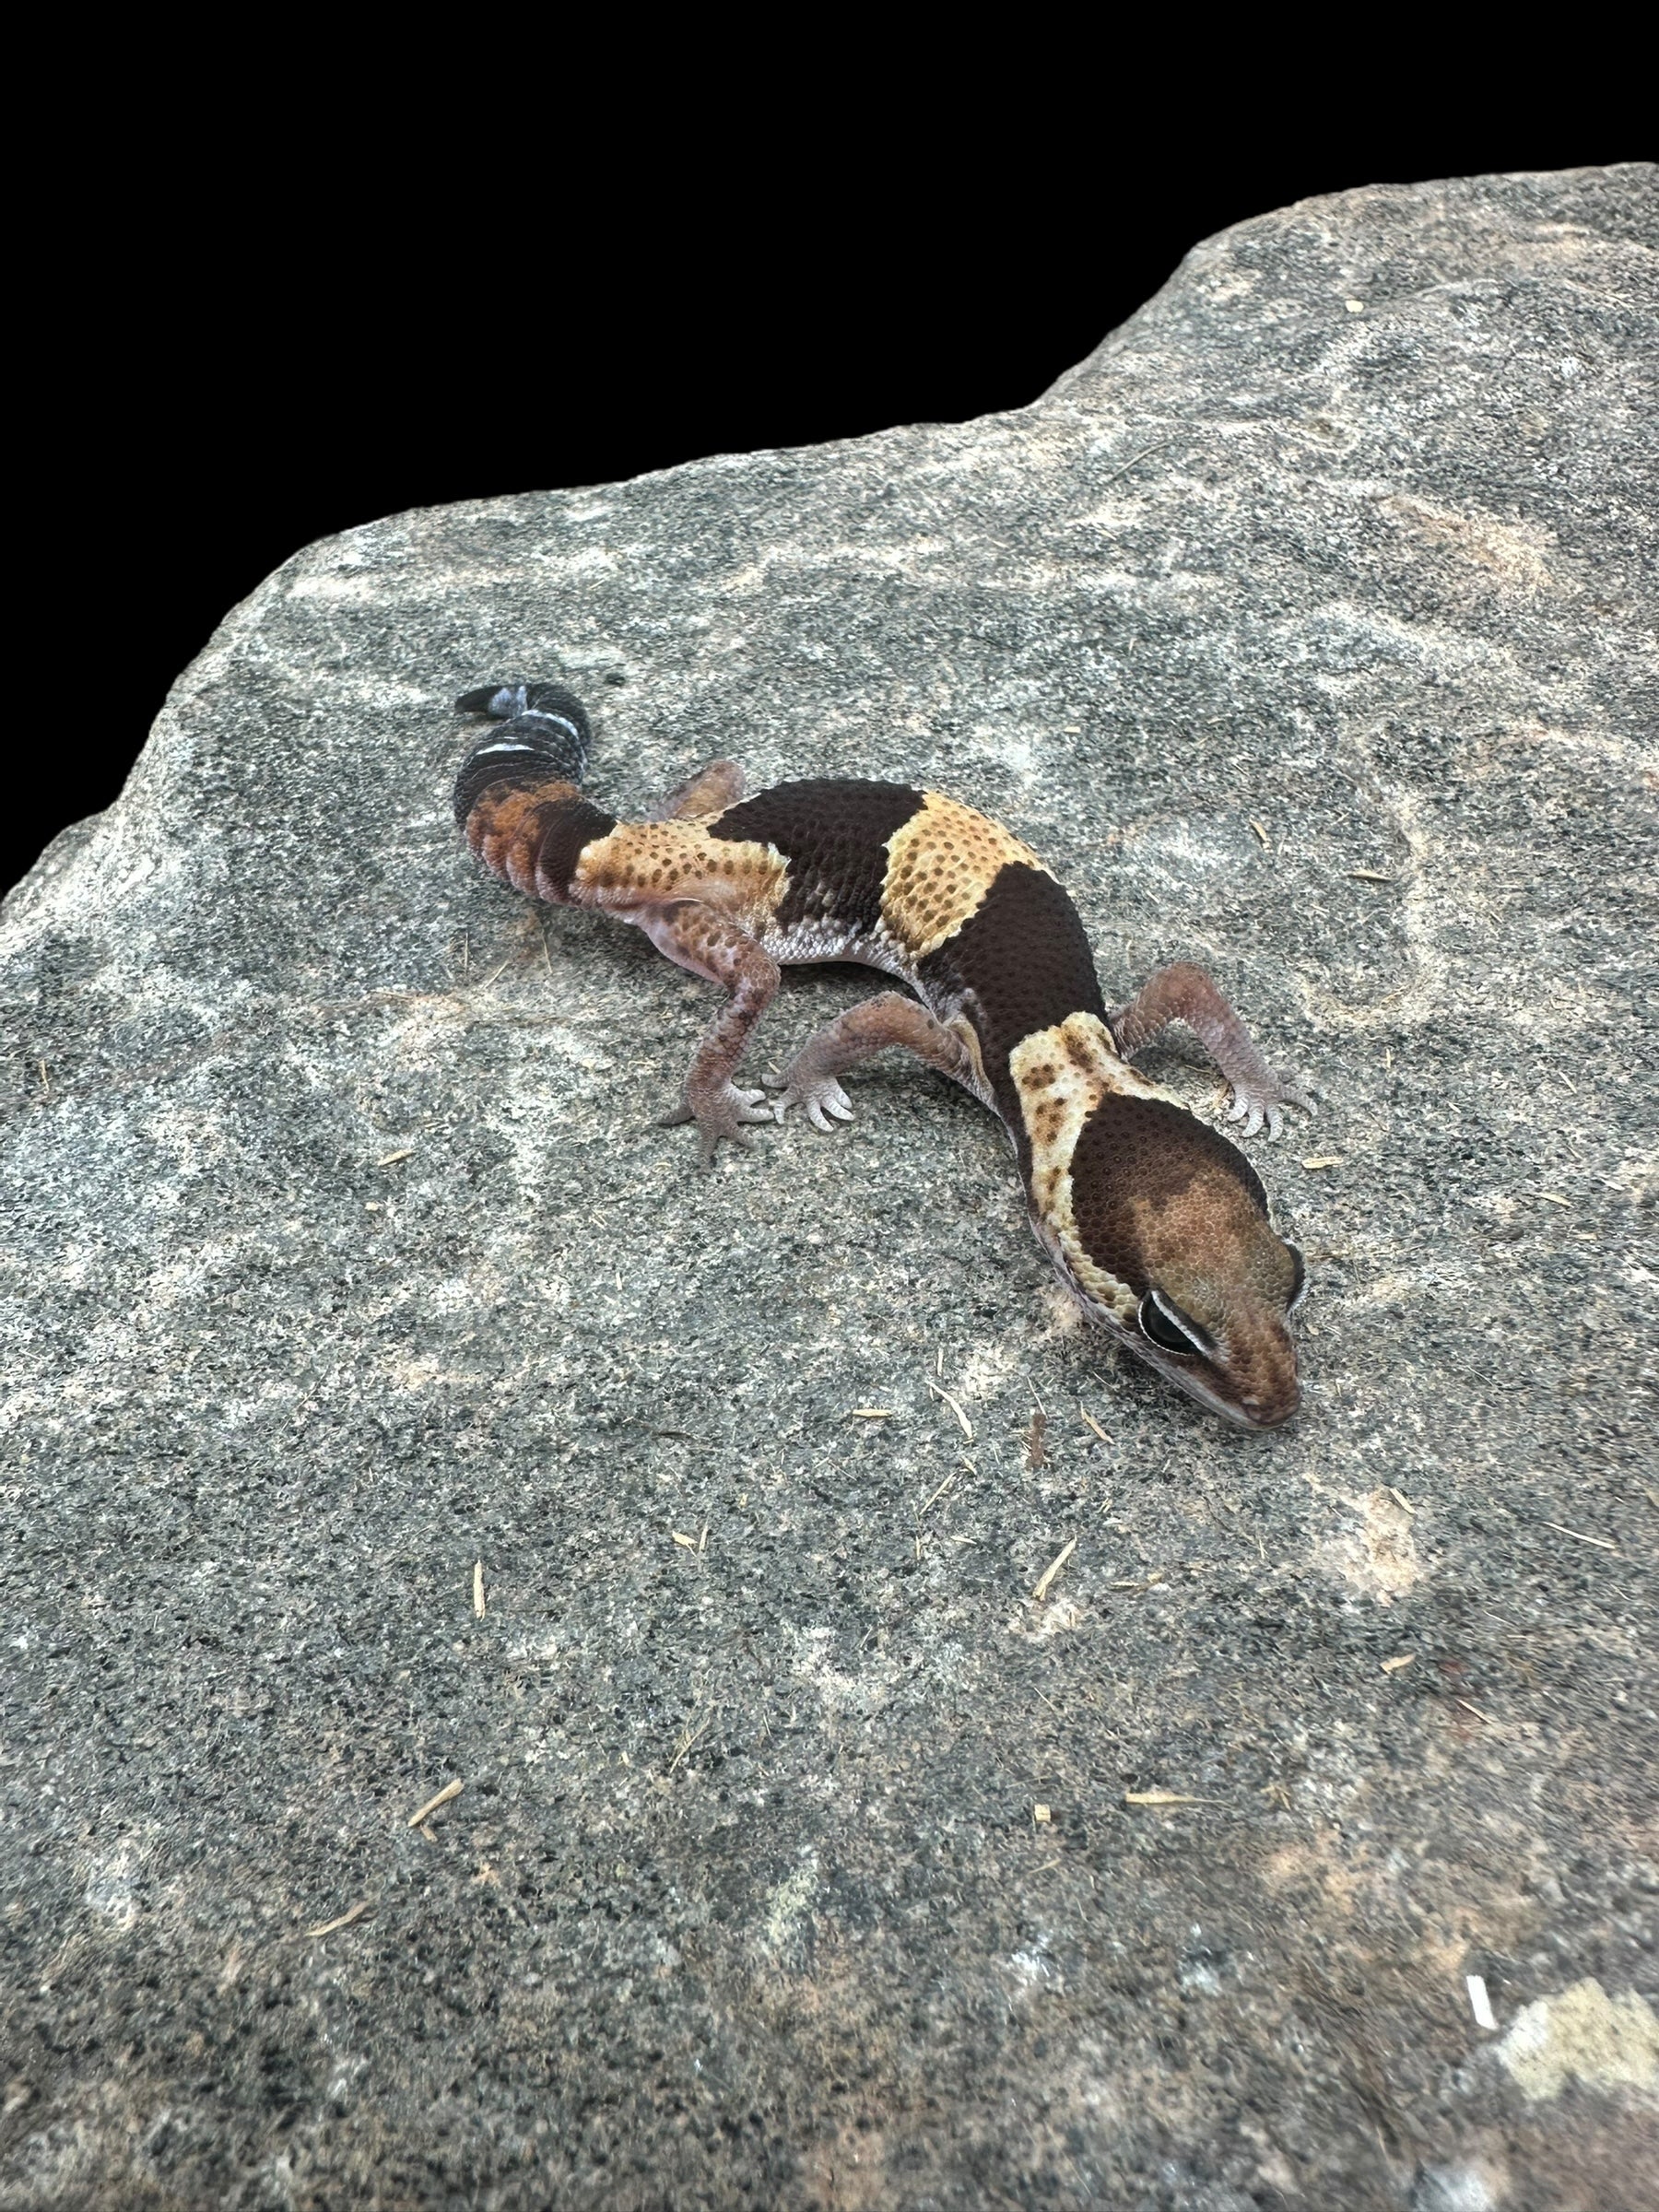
pixel 1182 993
pixel 711 789
pixel 811 1079
pixel 695 937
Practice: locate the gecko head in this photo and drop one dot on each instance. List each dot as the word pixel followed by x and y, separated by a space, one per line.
pixel 1171 1246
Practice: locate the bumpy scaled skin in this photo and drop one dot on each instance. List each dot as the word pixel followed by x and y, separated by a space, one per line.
pixel 1157 1224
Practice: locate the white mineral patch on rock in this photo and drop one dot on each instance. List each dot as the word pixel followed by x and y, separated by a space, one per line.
pixel 1583 2035
pixel 785 1932
pixel 1376 1550
pixel 1460 2188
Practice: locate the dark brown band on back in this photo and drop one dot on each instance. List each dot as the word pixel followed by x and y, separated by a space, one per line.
pixel 834 836
pixel 1022 962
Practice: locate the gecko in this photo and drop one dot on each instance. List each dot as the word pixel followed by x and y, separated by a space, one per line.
pixel 1153 1221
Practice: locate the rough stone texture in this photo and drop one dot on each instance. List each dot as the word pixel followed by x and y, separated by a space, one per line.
pixel 1303 628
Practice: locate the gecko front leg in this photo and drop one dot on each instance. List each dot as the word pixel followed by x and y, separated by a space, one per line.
pixel 694 936
pixel 1182 993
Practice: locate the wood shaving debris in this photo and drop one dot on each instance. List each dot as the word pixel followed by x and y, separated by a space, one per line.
pixel 1480 2004
pixel 937 1494
pixel 449 1790
pixel 1401 1499
pixel 1042 1815
pixel 1157 446
pixel 1042 1408
pixel 871 1413
pixel 478 1588
pixel 702 1541
pixel 1484 1718
pixel 685 1543
pixel 1325 1159
pixel 392 1159
pixel 1261 831
pixel 967 1426
pixel 1035 1455
pixel 1165 1797
pixel 1553 1198
pixel 1090 1422
pixel 1050 1571
pixel 1370 876
pixel 689 1741
pixel 1393 1667
pixel 346 1920
pixel 498 971
pixel 1602 1543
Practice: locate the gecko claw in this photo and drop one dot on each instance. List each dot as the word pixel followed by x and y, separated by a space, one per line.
pixel 819 1097
pixel 722 1117
pixel 1255 1102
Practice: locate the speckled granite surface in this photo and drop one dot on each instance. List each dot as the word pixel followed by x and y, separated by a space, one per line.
pixel 1306 630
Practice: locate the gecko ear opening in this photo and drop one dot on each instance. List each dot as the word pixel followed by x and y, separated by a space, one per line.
pixel 1169 1327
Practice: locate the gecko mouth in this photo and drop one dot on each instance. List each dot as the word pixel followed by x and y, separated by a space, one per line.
pixel 1241 1412
pixel 1230 1410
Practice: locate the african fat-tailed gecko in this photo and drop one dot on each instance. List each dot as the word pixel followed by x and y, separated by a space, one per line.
pixel 1156 1223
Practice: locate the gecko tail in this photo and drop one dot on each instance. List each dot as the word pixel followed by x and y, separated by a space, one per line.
pixel 516 796
pixel 546 739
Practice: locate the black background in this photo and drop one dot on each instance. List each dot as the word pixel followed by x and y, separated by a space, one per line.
pixel 226 368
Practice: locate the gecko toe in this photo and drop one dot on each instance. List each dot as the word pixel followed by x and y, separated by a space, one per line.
pixel 1257 1101
pixel 721 1116
pixel 824 1114
pixel 821 1097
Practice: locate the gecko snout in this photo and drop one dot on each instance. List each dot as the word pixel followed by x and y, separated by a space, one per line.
pixel 1273 1411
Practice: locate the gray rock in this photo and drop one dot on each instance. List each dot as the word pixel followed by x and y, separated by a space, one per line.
pixel 1305 629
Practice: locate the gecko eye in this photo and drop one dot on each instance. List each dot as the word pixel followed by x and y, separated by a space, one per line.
pixel 1167 1325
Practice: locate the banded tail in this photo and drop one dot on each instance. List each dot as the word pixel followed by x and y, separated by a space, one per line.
pixel 516 796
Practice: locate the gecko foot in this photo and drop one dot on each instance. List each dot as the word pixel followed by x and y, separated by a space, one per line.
pixel 820 1095
pixel 720 1111
pixel 1258 1098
